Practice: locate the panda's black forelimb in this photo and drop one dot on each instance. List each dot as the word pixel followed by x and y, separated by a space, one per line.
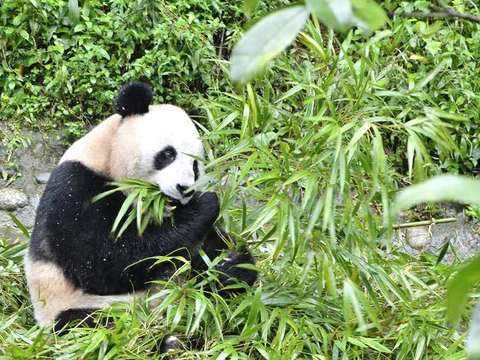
pixel 229 270
pixel 75 234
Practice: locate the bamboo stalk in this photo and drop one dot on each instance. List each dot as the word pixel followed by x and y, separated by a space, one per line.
pixel 440 12
pixel 425 223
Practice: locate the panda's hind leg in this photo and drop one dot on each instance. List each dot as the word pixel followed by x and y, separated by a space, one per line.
pixel 68 318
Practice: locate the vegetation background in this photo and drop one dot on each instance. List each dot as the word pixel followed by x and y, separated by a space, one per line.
pixel 310 156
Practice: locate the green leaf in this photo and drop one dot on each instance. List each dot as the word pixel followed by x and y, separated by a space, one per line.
pixel 126 224
pixel 368 12
pixel 323 11
pixel 19 225
pixel 24 34
pixel 374 344
pixel 459 287
pixel 105 194
pixel 123 210
pixel 139 209
pixel 341 14
pixel 431 75
pixel 461 189
pixel 103 53
pixel 443 252
pixel 249 6
pixel 178 313
pixel 265 40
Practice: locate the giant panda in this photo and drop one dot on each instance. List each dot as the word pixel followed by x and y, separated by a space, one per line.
pixel 73 266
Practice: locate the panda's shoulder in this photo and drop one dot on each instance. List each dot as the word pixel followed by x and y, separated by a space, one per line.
pixel 69 175
pixel 70 186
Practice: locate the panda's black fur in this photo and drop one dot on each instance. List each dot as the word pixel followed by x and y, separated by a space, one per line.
pixel 90 258
pixel 72 235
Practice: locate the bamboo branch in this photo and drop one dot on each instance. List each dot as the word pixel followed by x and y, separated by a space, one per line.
pixel 439 12
pixel 424 223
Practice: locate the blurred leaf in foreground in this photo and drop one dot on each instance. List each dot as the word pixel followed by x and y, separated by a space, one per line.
pixel 272 34
pixel 265 40
pixel 459 287
pixel 456 188
pixel 473 342
pixel 341 14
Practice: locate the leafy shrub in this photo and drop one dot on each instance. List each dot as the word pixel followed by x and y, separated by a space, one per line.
pixel 57 70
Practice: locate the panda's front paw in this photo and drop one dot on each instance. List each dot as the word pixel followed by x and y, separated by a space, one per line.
pixel 209 204
pixel 204 207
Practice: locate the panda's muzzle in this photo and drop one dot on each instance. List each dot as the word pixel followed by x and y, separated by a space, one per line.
pixel 184 191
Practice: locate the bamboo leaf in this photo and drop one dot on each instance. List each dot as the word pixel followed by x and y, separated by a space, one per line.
pixel 126 223
pixel 123 210
pixel 23 229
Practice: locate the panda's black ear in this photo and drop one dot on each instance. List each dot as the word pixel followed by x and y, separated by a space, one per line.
pixel 134 99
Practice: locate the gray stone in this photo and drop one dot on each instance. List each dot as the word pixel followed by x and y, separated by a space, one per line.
pixel 418 237
pixel 35 200
pixel 26 216
pixel 42 178
pixel 463 236
pixel 11 199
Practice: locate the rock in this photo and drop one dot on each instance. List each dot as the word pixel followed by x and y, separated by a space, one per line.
pixel 418 237
pixel 42 178
pixel 26 216
pixel 11 199
pixel 35 200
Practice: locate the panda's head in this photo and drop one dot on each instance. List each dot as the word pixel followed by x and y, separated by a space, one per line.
pixel 156 143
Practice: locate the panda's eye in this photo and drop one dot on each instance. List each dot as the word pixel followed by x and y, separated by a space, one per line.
pixel 164 158
pixel 196 173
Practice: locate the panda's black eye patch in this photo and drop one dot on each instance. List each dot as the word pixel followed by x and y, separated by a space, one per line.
pixel 164 158
pixel 196 173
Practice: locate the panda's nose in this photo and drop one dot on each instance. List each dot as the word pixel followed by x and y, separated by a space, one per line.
pixel 182 189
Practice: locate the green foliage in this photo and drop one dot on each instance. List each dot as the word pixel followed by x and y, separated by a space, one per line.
pixel 310 156
pixel 271 35
pixel 473 211
pixel 291 313
pixel 146 203
pixel 64 61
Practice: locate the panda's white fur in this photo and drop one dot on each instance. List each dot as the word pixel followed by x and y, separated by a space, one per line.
pixel 51 293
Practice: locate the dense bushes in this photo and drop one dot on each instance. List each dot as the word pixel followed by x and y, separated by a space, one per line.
pixel 57 70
